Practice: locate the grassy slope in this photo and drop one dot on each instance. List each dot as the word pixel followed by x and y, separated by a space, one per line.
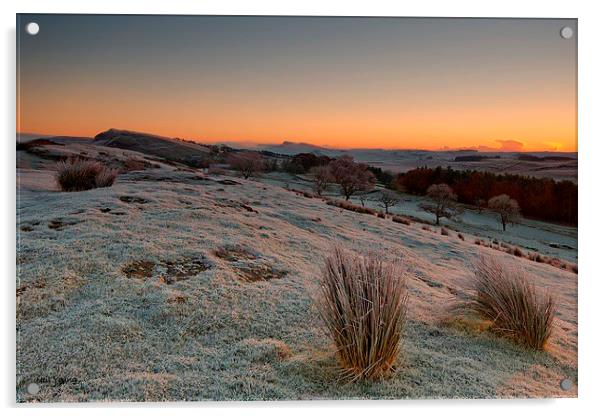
pixel 87 332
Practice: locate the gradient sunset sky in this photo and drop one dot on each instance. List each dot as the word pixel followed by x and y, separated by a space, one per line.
pixel 338 82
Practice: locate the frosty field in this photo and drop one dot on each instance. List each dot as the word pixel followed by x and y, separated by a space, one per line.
pixel 178 285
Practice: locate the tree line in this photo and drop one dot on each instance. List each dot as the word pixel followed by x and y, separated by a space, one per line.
pixel 539 198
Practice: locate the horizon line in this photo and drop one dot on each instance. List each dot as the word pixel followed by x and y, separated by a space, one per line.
pixel 253 144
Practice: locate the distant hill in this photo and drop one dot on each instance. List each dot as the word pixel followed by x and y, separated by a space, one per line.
pixel 27 137
pixel 557 165
pixel 175 150
pixel 292 148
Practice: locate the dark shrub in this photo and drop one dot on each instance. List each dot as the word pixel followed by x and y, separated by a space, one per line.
pixel 78 174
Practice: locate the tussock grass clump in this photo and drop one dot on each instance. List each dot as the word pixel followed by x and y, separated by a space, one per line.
pixel 461 236
pixel 517 252
pixel 363 303
pixel 444 231
pixel 78 174
pixel 105 178
pixel 515 308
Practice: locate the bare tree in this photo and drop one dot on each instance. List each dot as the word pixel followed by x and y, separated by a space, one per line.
pixel 363 197
pixel 506 207
pixel 387 200
pixel 321 177
pixel 444 202
pixel 246 163
pixel 481 203
pixel 352 177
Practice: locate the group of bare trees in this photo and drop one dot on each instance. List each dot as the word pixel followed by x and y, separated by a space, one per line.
pixel 443 205
pixel 355 178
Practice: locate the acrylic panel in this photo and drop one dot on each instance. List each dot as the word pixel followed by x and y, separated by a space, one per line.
pixel 295 208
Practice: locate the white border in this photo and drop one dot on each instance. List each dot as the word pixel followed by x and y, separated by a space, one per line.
pixel 590 96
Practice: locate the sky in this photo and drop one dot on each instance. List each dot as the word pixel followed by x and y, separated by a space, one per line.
pixel 398 83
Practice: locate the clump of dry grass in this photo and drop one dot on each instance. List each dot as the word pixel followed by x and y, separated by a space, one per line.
pixel 517 252
pixel 363 303
pixel 306 194
pixel 351 207
pixel 105 177
pixel 444 231
pixel 79 174
pixel 132 164
pixel 401 220
pixel 461 236
pixel 515 308
pixel 426 228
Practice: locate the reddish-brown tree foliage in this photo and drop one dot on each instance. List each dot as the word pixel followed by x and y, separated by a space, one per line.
pixel 539 198
pixel 246 163
pixel 352 177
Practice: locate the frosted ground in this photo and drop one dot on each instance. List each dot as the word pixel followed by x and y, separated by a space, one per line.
pixel 546 238
pixel 175 286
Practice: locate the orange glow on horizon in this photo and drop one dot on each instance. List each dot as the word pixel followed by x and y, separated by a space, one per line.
pixel 541 122
pixel 513 129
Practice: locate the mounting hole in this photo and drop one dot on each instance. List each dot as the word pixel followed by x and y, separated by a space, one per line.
pixel 33 388
pixel 566 32
pixel 32 28
pixel 566 384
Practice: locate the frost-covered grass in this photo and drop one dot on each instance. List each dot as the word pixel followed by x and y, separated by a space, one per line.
pixel 189 325
pixel 548 239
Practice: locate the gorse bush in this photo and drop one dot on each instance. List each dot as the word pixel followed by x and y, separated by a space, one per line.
pixel 515 308
pixel 363 304
pixel 78 174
